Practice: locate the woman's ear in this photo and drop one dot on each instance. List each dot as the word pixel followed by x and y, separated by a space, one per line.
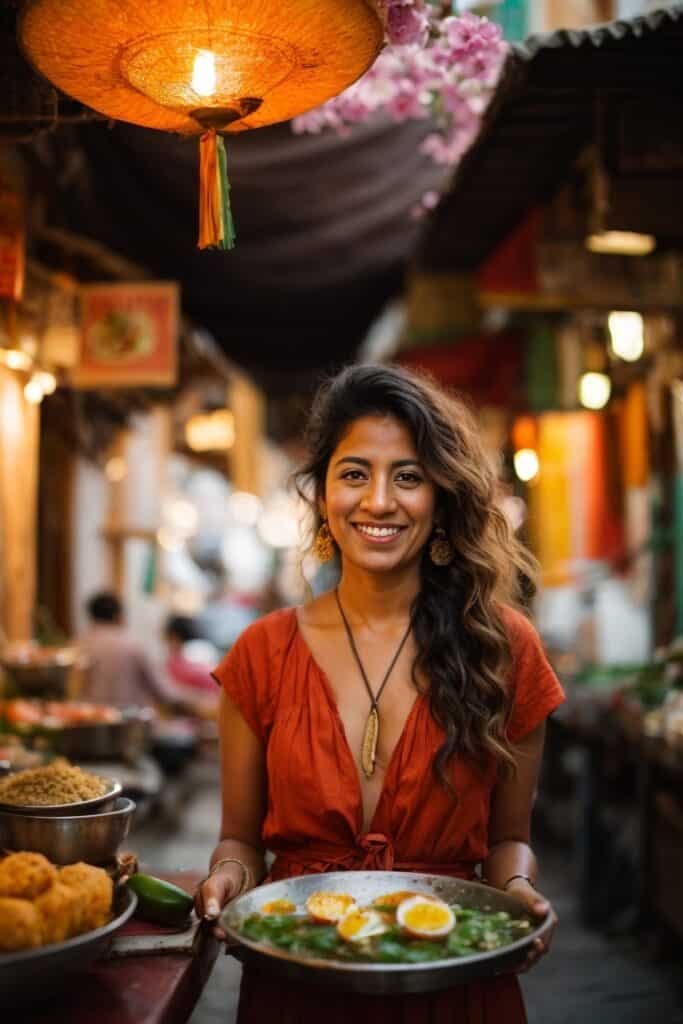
pixel 322 508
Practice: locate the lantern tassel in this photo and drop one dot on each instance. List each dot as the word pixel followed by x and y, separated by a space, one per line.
pixel 216 226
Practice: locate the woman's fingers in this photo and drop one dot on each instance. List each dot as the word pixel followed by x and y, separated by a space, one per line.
pixel 538 906
pixel 217 890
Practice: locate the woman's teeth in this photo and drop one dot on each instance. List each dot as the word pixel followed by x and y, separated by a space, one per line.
pixel 379 531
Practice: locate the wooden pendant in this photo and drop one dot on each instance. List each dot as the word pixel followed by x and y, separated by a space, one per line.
pixel 368 754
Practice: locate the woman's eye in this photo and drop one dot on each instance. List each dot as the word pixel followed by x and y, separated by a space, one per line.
pixel 409 478
pixel 353 474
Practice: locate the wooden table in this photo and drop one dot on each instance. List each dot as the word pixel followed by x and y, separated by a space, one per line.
pixel 159 989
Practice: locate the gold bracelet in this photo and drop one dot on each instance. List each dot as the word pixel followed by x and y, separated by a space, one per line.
pixel 512 878
pixel 247 878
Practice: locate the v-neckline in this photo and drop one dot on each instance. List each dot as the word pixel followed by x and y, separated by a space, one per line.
pixel 332 700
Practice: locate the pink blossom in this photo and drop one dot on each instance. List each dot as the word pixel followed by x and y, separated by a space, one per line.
pixel 407 23
pixel 443 68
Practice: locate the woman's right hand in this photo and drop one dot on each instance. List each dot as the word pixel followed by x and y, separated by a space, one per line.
pixel 215 891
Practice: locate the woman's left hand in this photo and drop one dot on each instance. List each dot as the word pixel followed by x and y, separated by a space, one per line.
pixel 538 906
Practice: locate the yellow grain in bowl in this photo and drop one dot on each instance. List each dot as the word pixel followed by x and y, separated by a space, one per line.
pixel 57 783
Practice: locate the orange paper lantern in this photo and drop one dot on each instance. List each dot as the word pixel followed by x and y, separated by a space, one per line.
pixel 199 67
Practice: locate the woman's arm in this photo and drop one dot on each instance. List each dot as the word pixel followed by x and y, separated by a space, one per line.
pixel 510 853
pixel 244 798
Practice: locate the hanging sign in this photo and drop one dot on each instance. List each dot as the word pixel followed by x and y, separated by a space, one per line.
pixel 129 335
pixel 11 245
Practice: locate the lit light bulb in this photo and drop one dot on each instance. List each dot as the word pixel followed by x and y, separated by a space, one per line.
pixel 33 391
pixel 48 381
pixel 15 359
pixel 621 243
pixel 626 335
pixel 116 469
pixel 526 464
pixel 594 390
pixel 204 73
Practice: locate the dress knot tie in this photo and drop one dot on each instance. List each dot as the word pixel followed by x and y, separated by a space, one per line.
pixel 377 852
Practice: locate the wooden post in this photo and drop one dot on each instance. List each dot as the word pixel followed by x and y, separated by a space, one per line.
pixel 19 440
pixel 246 456
pixel 118 517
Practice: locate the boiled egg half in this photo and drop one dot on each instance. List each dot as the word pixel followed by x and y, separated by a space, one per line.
pixel 361 924
pixel 329 907
pixel 392 899
pixel 425 917
pixel 278 907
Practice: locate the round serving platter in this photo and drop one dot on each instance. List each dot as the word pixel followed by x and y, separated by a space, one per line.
pixel 381 979
pixel 32 975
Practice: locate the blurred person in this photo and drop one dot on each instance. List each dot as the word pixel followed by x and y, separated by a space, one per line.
pixel 189 659
pixel 398 720
pixel 119 670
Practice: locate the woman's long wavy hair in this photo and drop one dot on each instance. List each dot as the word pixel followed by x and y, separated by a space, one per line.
pixel 462 646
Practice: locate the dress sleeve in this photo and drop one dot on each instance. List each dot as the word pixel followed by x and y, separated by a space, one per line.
pixel 536 690
pixel 240 675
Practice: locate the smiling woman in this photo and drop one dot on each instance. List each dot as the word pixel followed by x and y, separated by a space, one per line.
pixel 395 723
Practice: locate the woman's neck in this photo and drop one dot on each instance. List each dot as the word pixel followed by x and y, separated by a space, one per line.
pixel 377 598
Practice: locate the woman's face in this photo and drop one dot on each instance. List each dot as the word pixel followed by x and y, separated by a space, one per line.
pixel 379 502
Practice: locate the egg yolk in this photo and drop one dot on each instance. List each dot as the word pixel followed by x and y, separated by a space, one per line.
pixel 329 907
pixel 278 907
pixel 361 924
pixel 426 917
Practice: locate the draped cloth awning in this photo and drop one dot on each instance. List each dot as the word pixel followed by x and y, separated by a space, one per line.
pixel 324 226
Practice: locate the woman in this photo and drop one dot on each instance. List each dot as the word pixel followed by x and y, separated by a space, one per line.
pixel 397 721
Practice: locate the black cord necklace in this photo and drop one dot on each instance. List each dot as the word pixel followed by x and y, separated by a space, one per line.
pixel 371 734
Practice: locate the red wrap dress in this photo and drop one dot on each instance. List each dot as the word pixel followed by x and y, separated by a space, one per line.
pixel 314 817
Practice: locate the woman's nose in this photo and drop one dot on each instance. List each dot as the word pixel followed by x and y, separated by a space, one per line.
pixel 379 497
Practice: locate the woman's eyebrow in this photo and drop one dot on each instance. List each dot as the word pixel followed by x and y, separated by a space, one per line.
pixel 356 461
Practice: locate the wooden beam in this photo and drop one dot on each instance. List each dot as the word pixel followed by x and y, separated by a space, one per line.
pixel 19 445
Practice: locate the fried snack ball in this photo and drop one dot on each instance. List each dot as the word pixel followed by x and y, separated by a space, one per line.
pixel 60 913
pixel 95 891
pixel 25 876
pixel 20 925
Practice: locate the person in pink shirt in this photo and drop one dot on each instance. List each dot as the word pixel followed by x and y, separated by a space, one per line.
pixel 183 671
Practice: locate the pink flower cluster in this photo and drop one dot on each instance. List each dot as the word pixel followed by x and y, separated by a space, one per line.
pixel 439 68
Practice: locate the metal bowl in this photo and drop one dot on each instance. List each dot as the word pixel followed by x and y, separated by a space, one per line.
pixel 94 838
pixel 34 974
pixel 104 802
pixel 381 979
pixel 126 740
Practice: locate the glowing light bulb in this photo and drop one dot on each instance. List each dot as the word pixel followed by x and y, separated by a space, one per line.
pixel 204 73
pixel 594 390
pixel 15 359
pixel 116 469
pixel 33 391
pixel 626 335
pixel 526 464
pixel 48 381
pixel 621 243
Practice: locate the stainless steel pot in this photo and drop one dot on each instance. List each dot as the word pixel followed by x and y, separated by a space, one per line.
pixel 380 979
pixel 105 741
pixel 94 838
pixel 34 974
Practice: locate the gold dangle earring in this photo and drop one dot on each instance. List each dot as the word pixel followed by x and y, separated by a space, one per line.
pixel 441 550
pixel 323 546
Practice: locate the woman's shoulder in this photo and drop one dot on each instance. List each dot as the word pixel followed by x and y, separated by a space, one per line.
pixel 519 628
pixel 269 631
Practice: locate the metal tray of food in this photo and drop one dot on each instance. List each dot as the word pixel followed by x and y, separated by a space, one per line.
pixel 32 975
pixel 381 978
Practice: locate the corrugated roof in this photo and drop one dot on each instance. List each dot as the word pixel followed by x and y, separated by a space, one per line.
pixel 540 119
